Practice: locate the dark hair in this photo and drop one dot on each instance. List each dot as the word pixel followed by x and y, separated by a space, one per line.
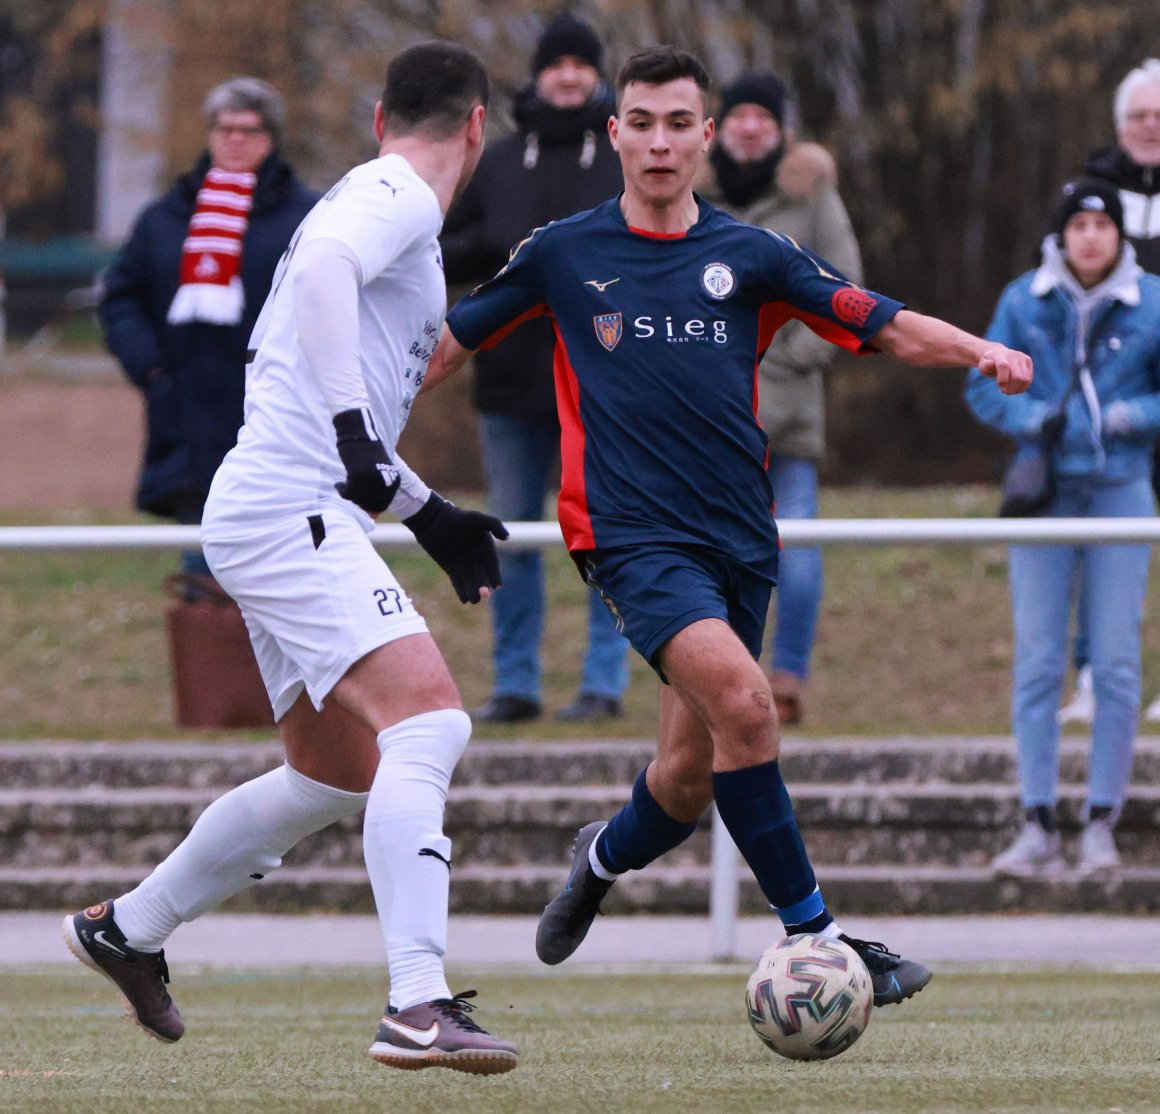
pixel 659 65
pixel 433 86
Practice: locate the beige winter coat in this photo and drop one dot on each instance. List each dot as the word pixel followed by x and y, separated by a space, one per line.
pixel 805 205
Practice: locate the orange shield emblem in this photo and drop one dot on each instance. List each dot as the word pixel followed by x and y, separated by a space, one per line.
pixel 609 327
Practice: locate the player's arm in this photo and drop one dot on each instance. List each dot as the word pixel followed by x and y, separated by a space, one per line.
pixel 324 287
pixel 484 317
pixel 449 356
pixel 926 341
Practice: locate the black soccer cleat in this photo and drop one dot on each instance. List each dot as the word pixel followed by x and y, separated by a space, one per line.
pixel 140 977
pixel 567 917
pixel 440 1034
pixel 894 979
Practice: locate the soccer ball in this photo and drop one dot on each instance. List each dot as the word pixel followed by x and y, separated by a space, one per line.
pixel 810 997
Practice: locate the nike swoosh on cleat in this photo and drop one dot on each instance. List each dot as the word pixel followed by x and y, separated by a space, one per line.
pixel 99 939
pixel 425 1038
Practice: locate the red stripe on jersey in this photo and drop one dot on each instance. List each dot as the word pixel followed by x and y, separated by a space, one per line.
pixel 777 314
pixel 499 335
pixel 572 506
pixel 657 235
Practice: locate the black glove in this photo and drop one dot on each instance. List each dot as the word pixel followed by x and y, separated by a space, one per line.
pixel 371 477
pixel 460 542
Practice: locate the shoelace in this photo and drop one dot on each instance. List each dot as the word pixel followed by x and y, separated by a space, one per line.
pixel 457 1009
pixel 872 952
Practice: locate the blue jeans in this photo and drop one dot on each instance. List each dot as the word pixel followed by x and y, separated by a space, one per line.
pixel 799 578
pixel 519 457
pixel 1114 579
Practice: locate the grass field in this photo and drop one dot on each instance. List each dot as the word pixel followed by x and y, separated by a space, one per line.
pixel 910 640
pixel 296 1041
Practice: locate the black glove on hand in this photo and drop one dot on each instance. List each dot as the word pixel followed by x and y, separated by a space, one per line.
pixel 460 542
pixel 371 478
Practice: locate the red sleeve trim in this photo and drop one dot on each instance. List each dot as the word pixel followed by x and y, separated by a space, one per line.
pixel 496 337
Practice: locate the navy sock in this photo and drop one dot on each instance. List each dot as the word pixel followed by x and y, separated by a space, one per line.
pixel 639 833
pixel 756 809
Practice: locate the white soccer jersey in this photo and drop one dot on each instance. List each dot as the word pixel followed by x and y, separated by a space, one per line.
pixel 286 457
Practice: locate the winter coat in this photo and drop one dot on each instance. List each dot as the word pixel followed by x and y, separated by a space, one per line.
pixel 1139 188
pixel 558 162
pixel 192 375
pixel 804 204
pixel 1036 315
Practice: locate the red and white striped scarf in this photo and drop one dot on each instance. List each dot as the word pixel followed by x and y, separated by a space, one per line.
pixel 211 257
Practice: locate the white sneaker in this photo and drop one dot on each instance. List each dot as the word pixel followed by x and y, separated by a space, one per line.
pixel 1082 706
pixel 1152 712
pixel 1097 848
pixel 1034 854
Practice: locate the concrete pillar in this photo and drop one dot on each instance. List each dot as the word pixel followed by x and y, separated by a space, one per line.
pixel 132 146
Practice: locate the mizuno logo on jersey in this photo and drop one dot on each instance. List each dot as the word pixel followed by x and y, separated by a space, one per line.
pixel 601 286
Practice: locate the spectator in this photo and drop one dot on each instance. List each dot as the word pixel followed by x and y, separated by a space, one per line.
pixel 760 176
pixel 1090 318
pixel 1132 165
pixel 181 297
pixel 558 162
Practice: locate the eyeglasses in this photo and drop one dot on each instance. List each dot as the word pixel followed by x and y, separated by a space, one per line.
pixel 245 131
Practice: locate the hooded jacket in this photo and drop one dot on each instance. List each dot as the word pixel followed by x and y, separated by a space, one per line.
pixel 1113 330
pixel 558 162
pixel 804 204
pixel 1139 188
pixel 192 375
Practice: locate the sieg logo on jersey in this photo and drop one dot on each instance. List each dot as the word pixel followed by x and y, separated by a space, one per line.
pixel 717 280
pixel 673 331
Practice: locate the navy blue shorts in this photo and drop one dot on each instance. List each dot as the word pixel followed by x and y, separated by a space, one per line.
pixel 654 591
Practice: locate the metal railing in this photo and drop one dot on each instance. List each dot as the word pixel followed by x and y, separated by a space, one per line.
pixel 794 532
pixel 724 886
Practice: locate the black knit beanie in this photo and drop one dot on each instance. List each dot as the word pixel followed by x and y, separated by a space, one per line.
pixel 1087 195
pixel 567 35
pixel 754 88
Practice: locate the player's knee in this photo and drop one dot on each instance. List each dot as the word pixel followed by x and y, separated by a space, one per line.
pixel 745 726
pixel 687 778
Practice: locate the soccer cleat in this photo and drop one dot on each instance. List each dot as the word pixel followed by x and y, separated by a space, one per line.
pixel 1034 854
pixel 893 978
pixel 440 1034
pixel 1097 849
pixel 140 977
pixel 567 917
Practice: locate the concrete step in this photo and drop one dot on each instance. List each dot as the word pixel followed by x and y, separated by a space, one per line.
pixel 660 889
pixel 843 824
pixel 955 760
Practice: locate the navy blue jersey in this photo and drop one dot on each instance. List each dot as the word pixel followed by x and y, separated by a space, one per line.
pixel 658 339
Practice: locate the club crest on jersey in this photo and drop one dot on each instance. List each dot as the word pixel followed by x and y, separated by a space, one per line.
pixel 852 305
pixel 718 281
pixel 609 329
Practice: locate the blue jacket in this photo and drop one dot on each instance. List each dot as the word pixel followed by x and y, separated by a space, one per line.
pixel 194 404
pixel 1036 315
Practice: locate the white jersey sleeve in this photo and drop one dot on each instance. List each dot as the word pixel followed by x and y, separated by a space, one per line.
pixel 325 289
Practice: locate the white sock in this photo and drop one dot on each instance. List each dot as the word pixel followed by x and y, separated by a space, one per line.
pixel 238 840
pixel 598 868
pixel 408 857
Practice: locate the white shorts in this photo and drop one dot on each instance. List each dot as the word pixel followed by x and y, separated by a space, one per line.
pixel 315 595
